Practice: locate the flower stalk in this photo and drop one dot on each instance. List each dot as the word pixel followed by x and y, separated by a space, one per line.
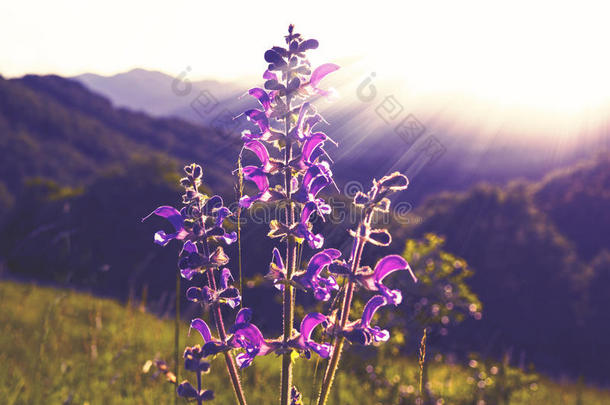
pixel 177 333
pixel 339 341
pixel 291 246
pixel 220 329
pixel 294 177
pixel 229 360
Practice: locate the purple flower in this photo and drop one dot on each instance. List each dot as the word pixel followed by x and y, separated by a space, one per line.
pixel 304 342
pixel 277 271
pixel 361 331
pixel 312 149
pixel 267 165
pixel 314 180
pixel 373 279
pixel 252 341
pixel 318 74
pixel 265 193
pixel 214 208
pixel 186 390
pixel 295 397
pixel 226 295
pixel 245 335
pixel 187 222
pixel 303 227
pixel 321 286
pixel 192 261
pixel 259 177
pixel 262 97
pixel 250 338
pixel 193 360
pixel 175 219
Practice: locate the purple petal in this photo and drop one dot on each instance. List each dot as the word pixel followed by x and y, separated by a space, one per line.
pixel 186 390
pixel 277 259
pixel 333 253
pixel 211 204
pixel 318 184
pixel 206 395
pixel 161 238
pixel 297 132
pixel 225 276
pixel 174 217
pixel 188 273
pixel 322 349
pixel 317 263
pixel 370 308
pixel 320 72
pixel 244 360
pixel 379 335
pixel 308 209
pixel 269 75
pixel 259 149
pixel 251 339
pixel 262 97
pixel 202 327
pixel 387 266
pixel 169 213
pixel 195 294
pixel 243 317
pixel 311 144
pixel 309 322
pixel 259 118
pixel 230 237
pixel 316 241
pixel 310 174
pixel 189 247
pixel 221 214
pixel 231 297
pixel 258 176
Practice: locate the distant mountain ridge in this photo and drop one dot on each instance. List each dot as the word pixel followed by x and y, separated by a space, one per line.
pixel 157 93
pixel 57 128
pixel 362 134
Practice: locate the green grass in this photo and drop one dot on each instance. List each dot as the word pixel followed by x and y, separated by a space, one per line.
pixel 63 347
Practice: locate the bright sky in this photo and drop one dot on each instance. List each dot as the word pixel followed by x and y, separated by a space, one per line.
pixel 545 58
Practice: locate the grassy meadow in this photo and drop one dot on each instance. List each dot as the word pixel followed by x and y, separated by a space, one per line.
pixel 63 347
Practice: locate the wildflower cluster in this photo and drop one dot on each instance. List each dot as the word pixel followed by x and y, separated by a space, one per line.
pixel 199 225
pixel 292 168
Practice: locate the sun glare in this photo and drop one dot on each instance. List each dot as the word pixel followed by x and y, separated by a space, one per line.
pixel 542 65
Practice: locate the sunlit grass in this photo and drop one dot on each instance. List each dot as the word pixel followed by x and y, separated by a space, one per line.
pixel 63 347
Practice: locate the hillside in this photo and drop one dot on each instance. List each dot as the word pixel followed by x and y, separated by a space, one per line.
pixel 56 128
pixel 59 346
pixel 531 246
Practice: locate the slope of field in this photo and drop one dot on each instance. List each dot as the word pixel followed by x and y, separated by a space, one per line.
pixel 63 347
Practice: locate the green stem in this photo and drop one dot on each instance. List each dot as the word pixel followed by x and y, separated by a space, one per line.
pixel 199 400
pixel 288 295
pixel 241 194
pixel 220 328
pixel 177 334
pixel 333 363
